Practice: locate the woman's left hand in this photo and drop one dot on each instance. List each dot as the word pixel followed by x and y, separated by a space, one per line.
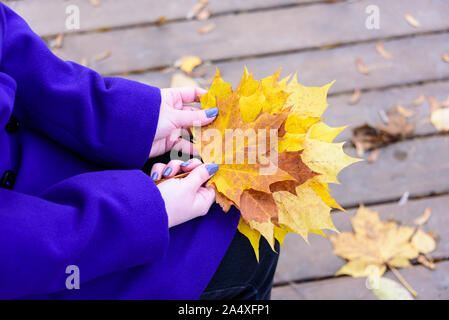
pixel 174 116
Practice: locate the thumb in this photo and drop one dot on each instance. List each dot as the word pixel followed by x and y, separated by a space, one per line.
pixel 188 118
pixel 201 174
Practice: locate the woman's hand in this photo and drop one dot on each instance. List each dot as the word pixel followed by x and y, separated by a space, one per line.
pixel 185 198
pixel 175 116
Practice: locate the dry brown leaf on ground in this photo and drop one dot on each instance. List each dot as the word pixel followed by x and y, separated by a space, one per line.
pixel 373 156
pixel 207 28
pixel 361 66
pixel 188 63
pixel 355 96
pixel 382 51
pixel 422 219
pixel 398 125
pixel 412 21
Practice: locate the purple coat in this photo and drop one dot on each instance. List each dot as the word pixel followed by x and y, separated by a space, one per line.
pixel 75 195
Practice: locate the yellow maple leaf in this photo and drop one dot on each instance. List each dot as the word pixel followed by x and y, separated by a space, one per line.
pixel 303 213
pixel 374 244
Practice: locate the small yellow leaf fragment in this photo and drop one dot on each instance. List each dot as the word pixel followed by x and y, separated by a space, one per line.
pixel 207 28
pixel 382 51
pixel 423 242
pixel 355 97
pixel 445 57
pixel 101 56
pixel 422 219
pixel 412 21
pixel 161 20
pixel 187 64
pixel 405 112
pixel 419 100
pixel 204 14
pixel 361 66
pixel 440 119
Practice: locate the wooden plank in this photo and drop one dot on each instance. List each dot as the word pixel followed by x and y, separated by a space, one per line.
pixel 418 166
pixel 430 285
pixel 414 60
pixel 255 33
pixel 47 17
pixel 300 261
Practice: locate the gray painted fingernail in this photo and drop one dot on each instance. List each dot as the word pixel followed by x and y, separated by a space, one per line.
pixel 185 164
pixel 212 112
pixel 167 171
pixel 154 176
pixel 212 168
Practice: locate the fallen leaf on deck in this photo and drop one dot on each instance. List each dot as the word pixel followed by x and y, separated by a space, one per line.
pixel 419 100
pixel 181 80
pixel 102 55
pixel 434 104
pixel 187 64
pixel 374 245
pixel 387 289
pixel 412 21
pixel 95 3
pixel 197 8
pixel 59 41
pixel 440 119
pixel 161 20
pixel 445 57
pixel 398 125
pixel 203 15
pixel 423 218
pixel 207 28
pixel 423 242
pixel 362 67
pixel 355 96
pixel 405 112
pixel 382 51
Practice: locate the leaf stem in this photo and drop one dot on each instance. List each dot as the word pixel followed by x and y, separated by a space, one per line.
pixel 402 280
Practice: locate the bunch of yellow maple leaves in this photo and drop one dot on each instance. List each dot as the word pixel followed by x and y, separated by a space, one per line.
pixel 295 197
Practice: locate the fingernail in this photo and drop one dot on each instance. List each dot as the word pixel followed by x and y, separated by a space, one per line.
pixel 167 171
pixel 212 112
pixel 185 164
pixel 154 176
pixel 212 168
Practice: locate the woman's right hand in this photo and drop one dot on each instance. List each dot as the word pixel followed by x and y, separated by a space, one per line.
pixel 185 198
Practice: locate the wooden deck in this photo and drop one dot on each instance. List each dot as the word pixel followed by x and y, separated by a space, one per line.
pixel 321 40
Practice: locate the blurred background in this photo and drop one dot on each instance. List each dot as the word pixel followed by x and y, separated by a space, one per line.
pixel 390 60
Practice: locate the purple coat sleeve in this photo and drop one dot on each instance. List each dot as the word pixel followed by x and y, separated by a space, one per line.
pixel 111 121
pixel 102 222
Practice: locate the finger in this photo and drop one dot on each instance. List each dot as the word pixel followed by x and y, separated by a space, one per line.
pixel 185 119
pixel 190 94
pixel 201 174
pixel 172 168
pixel 191 164
pixel 204 199
pixel 185 147
pixel 156 171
